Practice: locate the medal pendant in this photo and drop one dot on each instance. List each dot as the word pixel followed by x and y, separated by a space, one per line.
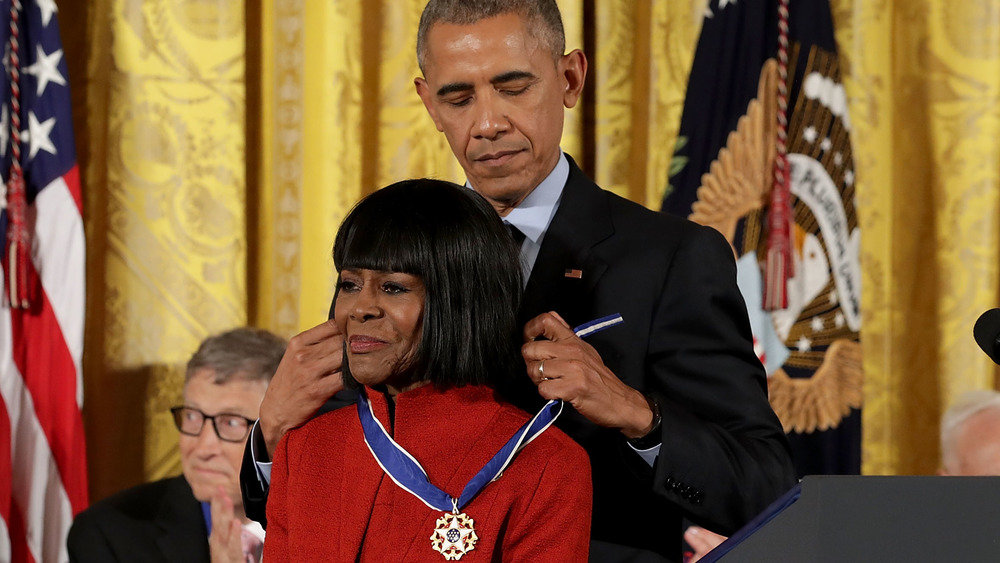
pixel 454 536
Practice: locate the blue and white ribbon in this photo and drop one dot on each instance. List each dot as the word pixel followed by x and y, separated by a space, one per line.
pixel 406 471
pixel 597 325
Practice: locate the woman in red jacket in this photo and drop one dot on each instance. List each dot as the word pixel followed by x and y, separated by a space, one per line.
pixel 432 465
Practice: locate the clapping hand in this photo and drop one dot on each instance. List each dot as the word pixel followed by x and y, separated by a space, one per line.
pixel 224 544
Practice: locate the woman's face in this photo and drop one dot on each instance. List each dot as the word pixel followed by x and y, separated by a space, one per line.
pixel 380 315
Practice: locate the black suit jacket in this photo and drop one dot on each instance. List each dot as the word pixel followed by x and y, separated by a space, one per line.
pixel 155 522
pixel 686 338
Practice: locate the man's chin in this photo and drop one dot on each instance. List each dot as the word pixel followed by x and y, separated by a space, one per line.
pixel 501 191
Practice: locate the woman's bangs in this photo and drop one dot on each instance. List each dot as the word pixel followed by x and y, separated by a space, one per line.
pixel 384 247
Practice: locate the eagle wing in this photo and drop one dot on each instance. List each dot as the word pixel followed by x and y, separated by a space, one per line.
pixel 820 402
pixel 740 179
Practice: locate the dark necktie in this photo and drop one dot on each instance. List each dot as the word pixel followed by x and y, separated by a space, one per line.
pixel 516 234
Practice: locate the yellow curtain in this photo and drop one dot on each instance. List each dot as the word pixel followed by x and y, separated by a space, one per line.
pixel 640 68
pixel 166 229
pixel 222 145
pixel 338 120
pixel 923 77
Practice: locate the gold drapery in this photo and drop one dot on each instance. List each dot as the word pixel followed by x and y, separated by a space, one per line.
pixel 640 68
pixel 179 250
pixel 164 139
pixel 923 78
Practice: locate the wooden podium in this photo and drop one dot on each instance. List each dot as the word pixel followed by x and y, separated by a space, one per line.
pixel 848 519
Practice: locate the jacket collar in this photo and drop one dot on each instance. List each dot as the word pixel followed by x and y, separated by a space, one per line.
pixel 182 533
pixel 570 248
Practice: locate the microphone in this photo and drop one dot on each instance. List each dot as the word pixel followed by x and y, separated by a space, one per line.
pixel 987 333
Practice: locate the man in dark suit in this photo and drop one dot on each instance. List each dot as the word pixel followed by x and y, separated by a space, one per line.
pixel 672 405
pixel 199 515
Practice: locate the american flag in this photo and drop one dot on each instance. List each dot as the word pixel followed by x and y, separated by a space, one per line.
pixel 43 474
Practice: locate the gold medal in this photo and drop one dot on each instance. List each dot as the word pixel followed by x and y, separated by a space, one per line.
pixel 454 535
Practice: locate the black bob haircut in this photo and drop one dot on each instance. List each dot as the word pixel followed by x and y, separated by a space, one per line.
pixel 469 264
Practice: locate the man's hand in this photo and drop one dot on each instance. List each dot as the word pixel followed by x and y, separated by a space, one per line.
pixel 565 367
pixel 308 375
pixel 224 544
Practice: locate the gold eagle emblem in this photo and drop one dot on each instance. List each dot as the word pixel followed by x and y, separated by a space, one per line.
pixel 738 184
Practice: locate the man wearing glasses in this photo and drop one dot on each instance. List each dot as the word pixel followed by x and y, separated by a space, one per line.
pixel 199 515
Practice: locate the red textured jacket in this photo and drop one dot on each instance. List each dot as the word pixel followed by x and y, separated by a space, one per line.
pixel 330 501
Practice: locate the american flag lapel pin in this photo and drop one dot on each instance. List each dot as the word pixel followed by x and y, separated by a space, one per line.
pixel 575 274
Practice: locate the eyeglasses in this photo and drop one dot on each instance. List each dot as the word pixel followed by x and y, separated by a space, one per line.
pixel 228 427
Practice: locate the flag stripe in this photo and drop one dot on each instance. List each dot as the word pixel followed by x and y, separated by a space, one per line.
pixel 5 469
pixel 50 377
pixel 19 546
pixel 48 515
pixel 60 252
pixel 72 180
pixel 41 512
pixel 5 551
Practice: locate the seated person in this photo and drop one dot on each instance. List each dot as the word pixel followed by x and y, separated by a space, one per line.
pixel 428 463
pixel 970 435
pixel 198 516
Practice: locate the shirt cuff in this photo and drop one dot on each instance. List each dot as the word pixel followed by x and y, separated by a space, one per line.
pixel 649 456
pixel 263 467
